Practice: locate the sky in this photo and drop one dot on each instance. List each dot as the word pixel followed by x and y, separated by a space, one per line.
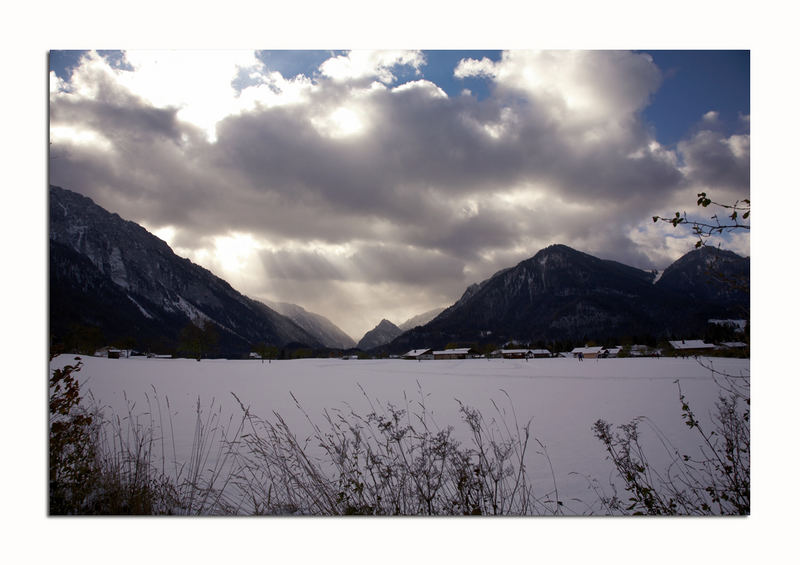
pixel 364 185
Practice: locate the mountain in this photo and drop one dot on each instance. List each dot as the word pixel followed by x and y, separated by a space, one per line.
pixel 381 334
pixel 709 275
pixel 420 319
pixel 320 327
pixel 561 294
pixel 115 278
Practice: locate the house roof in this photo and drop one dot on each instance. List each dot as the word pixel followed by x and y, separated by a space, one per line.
pixel 526 351
pixel 734 344
pixel 584 350
pixel 459 351
pixel 691 344
pixel 417 352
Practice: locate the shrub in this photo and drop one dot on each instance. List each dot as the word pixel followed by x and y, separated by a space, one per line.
pixel 104 464
pixel 391 461
pixel 715 482
pixel 71 463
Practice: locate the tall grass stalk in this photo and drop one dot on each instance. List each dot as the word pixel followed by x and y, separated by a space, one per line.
pixel 390 461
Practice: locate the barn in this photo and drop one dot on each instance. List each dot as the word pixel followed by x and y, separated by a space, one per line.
pixel 419 354
pixel 458 353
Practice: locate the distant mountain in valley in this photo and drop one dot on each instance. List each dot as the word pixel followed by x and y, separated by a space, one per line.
pixel 381 334
pixel 317 325
pixel 420 319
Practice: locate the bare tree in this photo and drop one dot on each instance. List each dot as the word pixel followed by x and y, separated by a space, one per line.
pixel 734 218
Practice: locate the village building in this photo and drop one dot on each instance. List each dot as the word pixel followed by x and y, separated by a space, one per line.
pixel 691 346
pixel 458 353
pixel 419 354
pixel 734 345
pixel 112 353
pixel 514 353
pixel 521 353
pixel 587 352
pixel 642 351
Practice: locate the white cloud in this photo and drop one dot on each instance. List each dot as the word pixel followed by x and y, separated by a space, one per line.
pixel 424 85
pixel 361 64
pixel 740 146
pixel 68 135
pixel 271 89
pixel 342 122
pixel 473 68
pixel 577 86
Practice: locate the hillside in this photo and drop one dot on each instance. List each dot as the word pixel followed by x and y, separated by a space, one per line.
pixel 113 278
pixel 561 294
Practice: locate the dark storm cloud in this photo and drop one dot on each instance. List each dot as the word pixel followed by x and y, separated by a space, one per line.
pixel 116 112
pixel 716 161
pixel 426 190
pixel 120 118
pixel 300 265
pixel 405 265
pixel 420 156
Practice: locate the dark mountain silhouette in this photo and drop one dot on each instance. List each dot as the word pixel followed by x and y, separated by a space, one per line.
pixel 561 294
pixel 114 276
pixel 381 334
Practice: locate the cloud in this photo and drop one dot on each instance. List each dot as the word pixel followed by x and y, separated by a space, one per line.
pixel 716 162
pixel 363 184
pixel 360 64
pixel 574 86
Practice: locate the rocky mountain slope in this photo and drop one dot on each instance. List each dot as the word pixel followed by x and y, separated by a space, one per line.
pixel 564 294
pixel 114 276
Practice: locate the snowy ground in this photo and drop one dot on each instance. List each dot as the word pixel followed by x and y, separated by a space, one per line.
pixel 563 397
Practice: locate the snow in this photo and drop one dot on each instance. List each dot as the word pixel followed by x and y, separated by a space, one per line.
pixel 117 266
pixel 416 353
pixel 587 350
pixel 562 396
pixel 196 315
pixel 144 312
pixel 456 351
pixel 691 344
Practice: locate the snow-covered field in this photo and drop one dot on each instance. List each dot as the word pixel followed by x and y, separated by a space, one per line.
pixel 562 397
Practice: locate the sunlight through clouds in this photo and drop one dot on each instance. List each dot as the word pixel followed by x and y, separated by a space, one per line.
pixel 79 136
pixel 197 82
pixel 342 122
pixel 234 251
